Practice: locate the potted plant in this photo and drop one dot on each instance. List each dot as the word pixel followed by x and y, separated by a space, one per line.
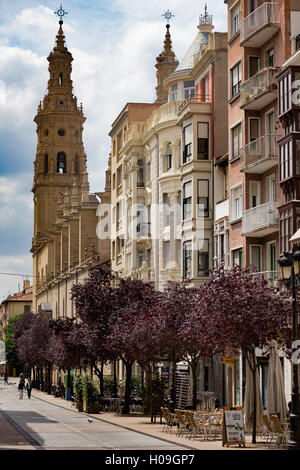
pixel 90 395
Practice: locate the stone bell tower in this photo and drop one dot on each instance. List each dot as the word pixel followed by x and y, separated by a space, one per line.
pixel 166 63
pixel 60 173
pixel 60 153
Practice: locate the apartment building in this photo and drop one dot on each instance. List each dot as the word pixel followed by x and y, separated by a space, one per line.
pixel 262 216
pixel 164 181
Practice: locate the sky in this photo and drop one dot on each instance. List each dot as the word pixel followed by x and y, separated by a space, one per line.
pixel 114 44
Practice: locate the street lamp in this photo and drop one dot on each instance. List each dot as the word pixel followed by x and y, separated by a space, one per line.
pixel 290 266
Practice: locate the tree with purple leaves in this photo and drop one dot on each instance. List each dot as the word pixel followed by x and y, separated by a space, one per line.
pixel 32 336
pixel 244 313
pixel 183 332
pixel 132 328
pixel 94 302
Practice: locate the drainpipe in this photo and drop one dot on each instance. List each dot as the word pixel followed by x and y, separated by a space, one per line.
pixel 213 157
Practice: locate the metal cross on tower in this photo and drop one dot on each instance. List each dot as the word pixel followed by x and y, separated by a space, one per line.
pixel 60 12
pixel 168 15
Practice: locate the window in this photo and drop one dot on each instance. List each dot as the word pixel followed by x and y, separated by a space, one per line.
pixel 254 193
pixel 286 159
pixel 203 198
pixel 236 203
pixel 166 210
pixel 253 65
pixel 61 132
pixel 236 141
pixel 61 162
pixel 298 42
pixel 254 134
pixel 286 229
pixel 255 257
pixel 46 163
pixel 140 259
pixel 26 308
pixel 60 79
pixel 166 253
pixel 140 174
pixel 235 19
pixel 271 182
pixel 187 259
pixel 203 257
pixel 174 89
pixel 236 78
pixel 168 157
pixel 285 93
pixel 237 257
pixel 189 89
pixel 187 200
pixel 270 61
pixel 187 143
pixel 202 140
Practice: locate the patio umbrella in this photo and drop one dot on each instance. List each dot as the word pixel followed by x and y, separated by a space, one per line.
pixel 276 400
pixel 248 401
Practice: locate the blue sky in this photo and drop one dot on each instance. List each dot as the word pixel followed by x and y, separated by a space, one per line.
pixel 114 46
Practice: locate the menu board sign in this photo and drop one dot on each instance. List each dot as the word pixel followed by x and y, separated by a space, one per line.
pixel 234 429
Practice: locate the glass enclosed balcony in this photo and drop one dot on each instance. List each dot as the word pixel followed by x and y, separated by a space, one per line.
pixel 258 27
pixel 259 90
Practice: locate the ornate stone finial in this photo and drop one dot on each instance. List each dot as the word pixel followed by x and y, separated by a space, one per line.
pixel 205 19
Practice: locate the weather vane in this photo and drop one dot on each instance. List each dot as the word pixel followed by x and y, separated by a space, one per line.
pixel 168 15
pixel 60 12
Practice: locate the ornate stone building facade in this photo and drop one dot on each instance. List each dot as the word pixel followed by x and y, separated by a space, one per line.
pixel 65 244
pixel 164 181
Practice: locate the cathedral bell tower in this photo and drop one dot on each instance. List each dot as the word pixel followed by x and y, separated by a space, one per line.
pixel 60 159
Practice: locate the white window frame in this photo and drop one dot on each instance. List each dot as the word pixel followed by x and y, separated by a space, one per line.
pixel 230 136
pixel 250 193
pixel 238 186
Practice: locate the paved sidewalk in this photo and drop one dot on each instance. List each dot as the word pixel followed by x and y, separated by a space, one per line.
pixel 142 424
pixel 49 423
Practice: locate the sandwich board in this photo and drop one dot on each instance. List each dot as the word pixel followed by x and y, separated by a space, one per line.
pixel 233 426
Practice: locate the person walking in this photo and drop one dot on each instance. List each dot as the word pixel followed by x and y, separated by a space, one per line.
pixel 6 379
pixel 28 387
pixel 21 387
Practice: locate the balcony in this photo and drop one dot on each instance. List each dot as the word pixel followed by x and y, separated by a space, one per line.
pixel 260 221
pixel 258 27
pixel 222 210
pixel 259 90
pixel 259 155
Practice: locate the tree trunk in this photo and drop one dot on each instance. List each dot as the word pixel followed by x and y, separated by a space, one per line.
pixel 252 364
pixel 126 407
pixel 99 373
pixel 194 365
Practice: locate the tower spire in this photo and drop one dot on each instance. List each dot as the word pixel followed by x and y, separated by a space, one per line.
pixel 166 63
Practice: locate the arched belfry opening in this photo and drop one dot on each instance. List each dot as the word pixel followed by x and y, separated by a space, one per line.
pixel 61 162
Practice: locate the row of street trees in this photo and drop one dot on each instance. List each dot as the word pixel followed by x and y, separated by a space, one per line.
pixel 234 312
